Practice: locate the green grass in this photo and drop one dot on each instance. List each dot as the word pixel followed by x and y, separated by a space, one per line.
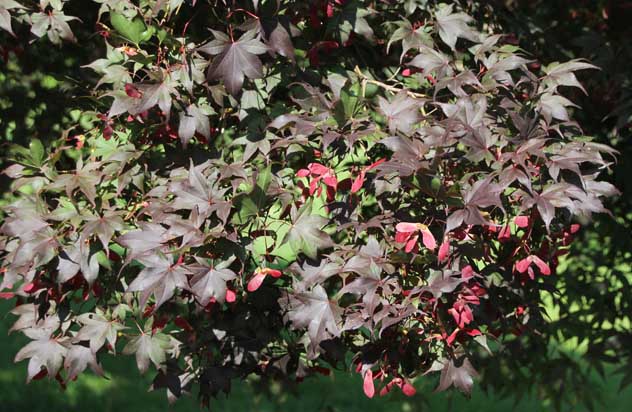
pixel 126 390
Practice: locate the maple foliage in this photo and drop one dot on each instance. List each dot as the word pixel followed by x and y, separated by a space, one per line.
pixel 277 187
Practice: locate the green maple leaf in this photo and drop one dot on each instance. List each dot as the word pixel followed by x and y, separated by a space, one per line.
pixel 305 234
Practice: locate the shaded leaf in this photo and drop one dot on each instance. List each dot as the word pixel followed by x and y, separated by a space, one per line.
pixel 148 348
pixel 78 359
pixel 461 377
pixel 160 277
pixel 234 60
pixel 97 330
pixel 45 353
pixel 209 281
pixel 314 311
pixel 5 17
pixel 452 26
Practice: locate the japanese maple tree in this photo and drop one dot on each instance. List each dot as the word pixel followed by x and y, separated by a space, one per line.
pixel 284 188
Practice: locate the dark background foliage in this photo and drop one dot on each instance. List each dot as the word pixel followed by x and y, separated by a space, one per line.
pixel 594 297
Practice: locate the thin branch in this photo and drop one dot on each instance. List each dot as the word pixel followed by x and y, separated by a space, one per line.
pixel 388 87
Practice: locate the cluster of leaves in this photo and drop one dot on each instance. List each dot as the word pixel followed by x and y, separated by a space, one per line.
pixel 588 333
pixel 381 187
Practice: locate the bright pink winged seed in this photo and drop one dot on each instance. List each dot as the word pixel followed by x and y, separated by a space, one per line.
pixel 330 181
pixel 444 250
pixel 542 265
pixel 521 221
pixel 411 243
pixel 467 272
pixel 231 296
pixel 273 272
pixel 428 239
pixel 523 265
pixel 318 169
pixel 357 183
pixel 408 389
pixel 256 282
pixel 368 386
pixel 406 227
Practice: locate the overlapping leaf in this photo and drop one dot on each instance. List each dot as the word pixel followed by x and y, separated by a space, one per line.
pixel 234 59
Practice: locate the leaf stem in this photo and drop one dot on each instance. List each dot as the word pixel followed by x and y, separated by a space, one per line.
pixel 254 16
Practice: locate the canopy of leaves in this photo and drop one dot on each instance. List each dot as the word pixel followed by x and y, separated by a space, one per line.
pixel 317 129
